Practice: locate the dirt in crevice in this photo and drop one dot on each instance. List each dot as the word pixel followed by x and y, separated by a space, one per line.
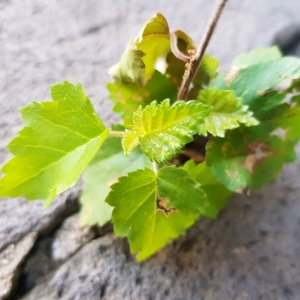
pixel 36 268
pixel 194 150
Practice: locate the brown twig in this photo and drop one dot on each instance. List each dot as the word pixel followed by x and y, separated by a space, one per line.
pixel 196 59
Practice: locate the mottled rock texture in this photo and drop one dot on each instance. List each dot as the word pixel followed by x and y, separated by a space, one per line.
pixel 69 238
pixel 10 259
pixel 251 252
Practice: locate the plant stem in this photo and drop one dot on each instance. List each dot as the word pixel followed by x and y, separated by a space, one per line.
pixel 154 167
pixel 119 134
pixel 175 50
pixel 196 59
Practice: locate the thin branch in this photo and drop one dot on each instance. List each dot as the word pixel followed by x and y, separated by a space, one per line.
pixel 196 59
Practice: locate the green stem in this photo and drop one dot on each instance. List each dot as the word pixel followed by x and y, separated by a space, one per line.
pixel 119 134
pixel 154 167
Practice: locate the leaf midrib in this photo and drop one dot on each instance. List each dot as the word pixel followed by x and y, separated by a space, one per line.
pixel 173 124
pixel 59 126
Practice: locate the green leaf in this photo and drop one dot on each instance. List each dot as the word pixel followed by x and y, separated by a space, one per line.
pixel 253 81
pixel 256 79
pixel 227 113
pixel 265 107
pixel 160 87
pixel 181 191
pixel 154 41
pixel 163 129
pixel 251 157
pixel 139 59
pixel 58 141
pixel 131 67
pixel 147 209
pixel 287 118
pixel 208 70
pixel 108 165
pixel 129 96
pixel 257 56
pixel 217 194
pixel 295 86
pixel 130 141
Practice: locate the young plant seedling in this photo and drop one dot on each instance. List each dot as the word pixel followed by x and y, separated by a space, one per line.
pixel 177 156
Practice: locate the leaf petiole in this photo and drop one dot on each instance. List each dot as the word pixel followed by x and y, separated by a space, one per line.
pixel 113 133
pixel 154 167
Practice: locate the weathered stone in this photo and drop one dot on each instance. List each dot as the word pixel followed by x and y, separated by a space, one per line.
pixel 18 217
pixel 289 40
pixel 250 252
pixel 10 259
pixel 69 238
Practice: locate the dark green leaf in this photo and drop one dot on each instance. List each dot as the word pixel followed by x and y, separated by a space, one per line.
pixel 254 156
pixel 217 194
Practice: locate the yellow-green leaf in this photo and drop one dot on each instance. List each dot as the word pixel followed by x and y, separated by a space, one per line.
pixel 228 112
pixel 129 141
pixel 154 41
pixel 58 141
pixel 164 129
pixel 152 209
pixel 131 67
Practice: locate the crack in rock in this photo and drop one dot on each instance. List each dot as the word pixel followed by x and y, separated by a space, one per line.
pixel 10 260
pixel 69 238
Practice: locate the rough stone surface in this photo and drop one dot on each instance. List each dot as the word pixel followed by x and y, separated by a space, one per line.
pixel 69 238
pixel 18 217
pixel 251 252
pixel 10 259
pixel 289 39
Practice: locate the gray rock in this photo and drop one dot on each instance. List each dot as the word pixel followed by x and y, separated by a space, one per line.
pixel 251 252
pixel 69 238
pixel 18 217
pixel 10 259
pixel 289 39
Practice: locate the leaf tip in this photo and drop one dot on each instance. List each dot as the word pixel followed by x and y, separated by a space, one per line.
pixel 52 195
